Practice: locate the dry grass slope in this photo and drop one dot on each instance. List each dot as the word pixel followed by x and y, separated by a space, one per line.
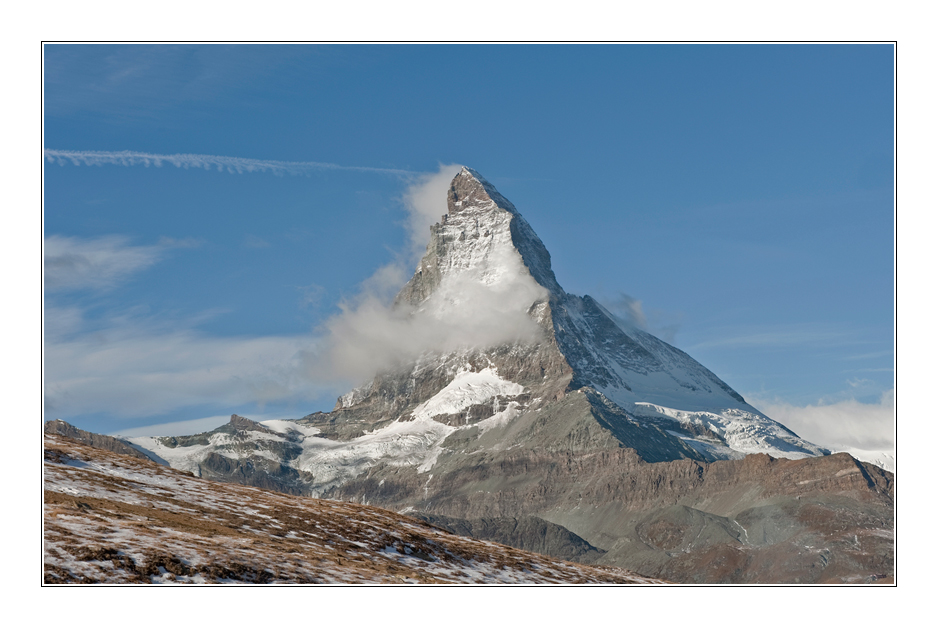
pixel 113 518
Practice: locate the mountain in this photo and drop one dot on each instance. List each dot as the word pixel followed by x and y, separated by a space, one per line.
pixel 115 518
pixel 531 402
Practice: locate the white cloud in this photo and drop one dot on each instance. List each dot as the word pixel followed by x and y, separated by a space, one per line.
pixel 863 429
pixel 220 163
pixel 134 371
pixel 425 200
pixel 97 263
pixel 371 335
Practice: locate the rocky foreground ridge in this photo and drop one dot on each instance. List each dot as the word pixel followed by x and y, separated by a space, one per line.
pixel 571 433
pixel 114 518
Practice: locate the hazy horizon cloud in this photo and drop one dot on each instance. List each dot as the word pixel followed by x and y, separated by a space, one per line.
pixel 783 336
pixel 846 425
pixel 130 370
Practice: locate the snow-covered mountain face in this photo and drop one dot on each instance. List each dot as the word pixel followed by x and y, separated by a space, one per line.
pixel 524 365
pixel 483 240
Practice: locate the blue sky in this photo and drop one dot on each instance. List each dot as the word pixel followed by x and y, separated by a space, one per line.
pixel 743 194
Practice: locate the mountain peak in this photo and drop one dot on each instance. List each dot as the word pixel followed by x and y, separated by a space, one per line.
pixel 482 235
pixel 469 189
pixel 484 253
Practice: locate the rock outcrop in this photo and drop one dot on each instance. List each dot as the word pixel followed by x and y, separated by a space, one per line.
pixel 100 441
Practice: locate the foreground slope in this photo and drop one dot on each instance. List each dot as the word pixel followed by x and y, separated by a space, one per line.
pixel 115 518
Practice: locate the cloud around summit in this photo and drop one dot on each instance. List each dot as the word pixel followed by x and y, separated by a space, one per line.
pixel 372 333
pixel 129 365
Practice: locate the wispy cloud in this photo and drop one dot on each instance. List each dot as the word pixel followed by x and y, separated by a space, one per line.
pixel 254 242
pixel 97 263
pixel 129 365
pixel 234 165
pixel 131 370
pixel 629 311
pixel 783 336
pixel 869 356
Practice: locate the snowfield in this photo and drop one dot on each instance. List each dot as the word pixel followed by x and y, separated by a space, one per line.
pixel 467 389
pixel 410 441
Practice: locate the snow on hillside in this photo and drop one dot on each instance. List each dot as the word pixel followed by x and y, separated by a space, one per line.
pixel 415 441
pixel 650 379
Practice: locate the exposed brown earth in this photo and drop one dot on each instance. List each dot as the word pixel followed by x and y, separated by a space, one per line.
pixel 90 438
pixel 114 518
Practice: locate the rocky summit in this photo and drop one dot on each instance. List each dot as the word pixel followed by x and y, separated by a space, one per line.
pixel 540 420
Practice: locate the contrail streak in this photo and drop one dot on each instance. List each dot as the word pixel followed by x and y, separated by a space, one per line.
pixel 185 160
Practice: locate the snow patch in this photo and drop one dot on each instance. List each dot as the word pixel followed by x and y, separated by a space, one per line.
pixel 466 390
pixel 744 432
pixel 290 427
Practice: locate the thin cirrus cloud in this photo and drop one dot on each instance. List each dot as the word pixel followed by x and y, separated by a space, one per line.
pixel 783 336
pixel 125 365
pixel 234 165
